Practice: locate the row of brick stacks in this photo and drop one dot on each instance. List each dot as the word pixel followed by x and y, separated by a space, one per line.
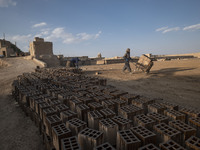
pixel 77 112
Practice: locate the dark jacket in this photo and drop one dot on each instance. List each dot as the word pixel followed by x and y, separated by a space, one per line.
pixel 127 57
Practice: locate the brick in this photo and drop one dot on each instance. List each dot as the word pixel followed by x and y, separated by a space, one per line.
pixel 54 103
pixel 171 145
pixel 145 135
pixel 158 118
pixel 129 111
pixel 144 121
pixel 95 106
pixel 48 142
pixel 50 122
pixel 126 140
pixel 67 115
pixel 149 147
pixel 86 100
pixel 48 112
pixel 175 115
pixel 169 105
pixel 104 146
pixel 195 122
pixel 107 113
pixel 58 132
pixel 49 99
pixel 82 112
pixel 123 123
pixel 118 103
pixel 42 106
pixel 117 94
pixel 186 130
pixel 70 143
pixel 193 143
pixel 61 107
pixel 90 138
pixel 166 133
pixel 76 125
pixel 143 103
pixel 156 108
pixel 74 103
pixel 109 104
pixel 129 97
pixel 109 128
pixel 99 98
pixel 36 105
pixel 93 119
pixel 189 112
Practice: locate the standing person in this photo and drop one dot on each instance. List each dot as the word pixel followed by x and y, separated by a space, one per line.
pixel 127 58
pixel 74 62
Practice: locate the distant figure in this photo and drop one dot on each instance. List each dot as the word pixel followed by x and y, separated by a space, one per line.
pixel 127 58
pixel 74 62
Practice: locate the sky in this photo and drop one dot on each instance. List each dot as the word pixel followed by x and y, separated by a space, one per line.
pixel 109 27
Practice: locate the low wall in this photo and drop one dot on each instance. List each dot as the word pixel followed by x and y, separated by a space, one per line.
pixel 41 63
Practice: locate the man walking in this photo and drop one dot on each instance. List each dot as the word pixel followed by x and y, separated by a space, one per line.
pixel 127 58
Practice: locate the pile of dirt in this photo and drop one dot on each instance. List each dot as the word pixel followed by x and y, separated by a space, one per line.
pixel 3 63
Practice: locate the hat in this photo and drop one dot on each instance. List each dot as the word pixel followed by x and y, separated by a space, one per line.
pixel 128 50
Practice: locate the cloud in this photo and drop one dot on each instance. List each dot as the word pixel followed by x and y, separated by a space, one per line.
pixel 69 38
pixel 6 3
pixel 161 29
pixel 192 27
pixel 43 32
pixel 39 25
pixel 171 29
pixel 166 29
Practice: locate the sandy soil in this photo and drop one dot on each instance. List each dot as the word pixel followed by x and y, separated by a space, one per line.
pixel 17 131
pixel 174 81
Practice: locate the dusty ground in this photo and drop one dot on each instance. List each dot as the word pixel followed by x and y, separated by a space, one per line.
pixel 17 131
pixel 175 81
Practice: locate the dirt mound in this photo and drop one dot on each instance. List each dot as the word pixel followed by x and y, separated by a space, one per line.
pixel 3 63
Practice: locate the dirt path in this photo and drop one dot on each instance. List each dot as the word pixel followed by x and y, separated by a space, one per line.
pixel 17 131
pixel 175 81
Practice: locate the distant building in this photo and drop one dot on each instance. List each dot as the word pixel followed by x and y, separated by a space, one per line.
pixel 6 48
pixel 40 47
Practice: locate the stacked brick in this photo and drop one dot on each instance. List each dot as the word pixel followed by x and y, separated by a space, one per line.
pixel 73 111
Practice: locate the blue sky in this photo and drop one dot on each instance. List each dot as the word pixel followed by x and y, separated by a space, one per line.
pixel 87 27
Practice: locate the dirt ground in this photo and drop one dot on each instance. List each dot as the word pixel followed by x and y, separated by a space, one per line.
pixel 174 81
pixel 17 131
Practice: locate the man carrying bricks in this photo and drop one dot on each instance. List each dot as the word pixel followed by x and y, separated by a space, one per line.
pixel 127 58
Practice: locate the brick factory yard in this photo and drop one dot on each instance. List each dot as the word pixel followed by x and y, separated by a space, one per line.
pixel 174 81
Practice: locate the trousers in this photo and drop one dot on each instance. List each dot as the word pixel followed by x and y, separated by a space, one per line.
pixel 126 66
